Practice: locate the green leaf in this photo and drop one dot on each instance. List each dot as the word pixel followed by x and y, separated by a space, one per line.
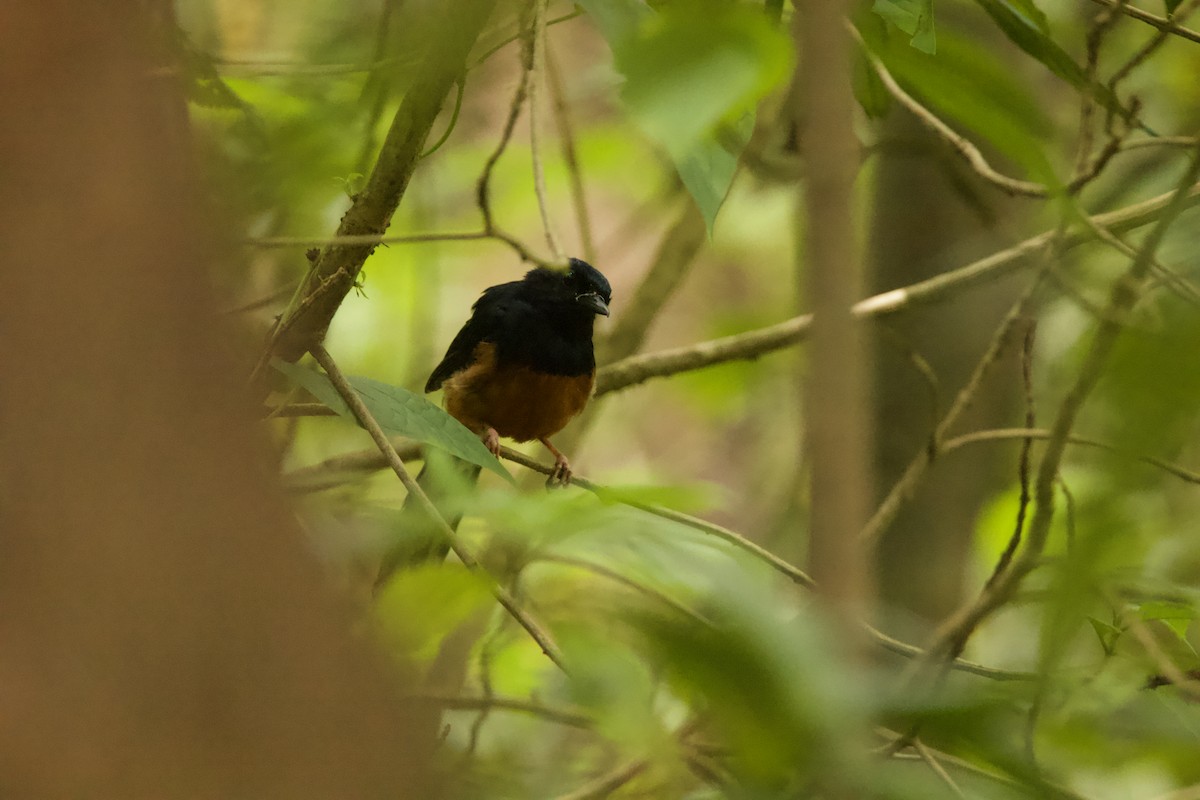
pixel 1106 633
pixel 421 606
pixel 914 17
pixel 400 413
pixel 693 73
pixel 1030 34
pixel 707 170
pixel 1029 10
pixel 1171 6
pixel 1175 616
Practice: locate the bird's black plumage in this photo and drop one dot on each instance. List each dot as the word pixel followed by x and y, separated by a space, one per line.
pixel 543 321
pixel 521 367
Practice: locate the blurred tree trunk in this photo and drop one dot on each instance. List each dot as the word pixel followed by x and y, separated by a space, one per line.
pixel 165 632
pixel 931 214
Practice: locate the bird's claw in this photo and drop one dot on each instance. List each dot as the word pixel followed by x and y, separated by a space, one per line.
pixel 491 440
pixel 561 476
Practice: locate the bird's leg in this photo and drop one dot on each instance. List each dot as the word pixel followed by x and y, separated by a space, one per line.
pixel 562 467
pixel 491 440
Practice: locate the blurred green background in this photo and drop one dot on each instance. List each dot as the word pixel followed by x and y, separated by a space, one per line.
pixel 696 669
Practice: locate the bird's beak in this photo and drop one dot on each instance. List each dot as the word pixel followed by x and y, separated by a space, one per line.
pixel 593 301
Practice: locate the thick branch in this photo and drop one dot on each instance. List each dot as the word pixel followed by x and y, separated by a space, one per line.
pixel 837 420
pixel 453 33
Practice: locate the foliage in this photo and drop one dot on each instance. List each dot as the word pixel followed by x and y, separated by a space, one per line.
pixel 697 664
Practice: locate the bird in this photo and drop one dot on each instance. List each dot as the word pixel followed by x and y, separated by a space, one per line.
pixel 523 365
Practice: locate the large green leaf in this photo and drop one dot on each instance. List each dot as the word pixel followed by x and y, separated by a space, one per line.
pixel 400 413
pixel 692 72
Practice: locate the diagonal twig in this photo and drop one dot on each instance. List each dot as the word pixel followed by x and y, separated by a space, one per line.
pixel 364 417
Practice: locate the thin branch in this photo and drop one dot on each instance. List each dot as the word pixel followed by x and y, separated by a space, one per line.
pixel 607 784
pixel 362 239
pixel 1068 513
pixel 1095 38
pixel 1169 669
pixel 262 302
pixel 571 717
pixel 286 410
pixel 570 156
pixel 928 757
pixel 1014 541
pixel 364 417
pixel 377 79
pixel 1047 789
pixel 1008 434
pixel 672 260
pixel 1162 23
pixel 1181 285
pixel 491 51
pixel 453 121
pixel 293 68
pixel 1186 142
pixel 617 577
pixel 960 664
pixel 904 488
pixel 960 144
pixel 537 69
pixel 712 529
pixel 483 185
pixel 793 573
pixel 953 634
pixel 1182 11
pixel 327 472
pixel 752 344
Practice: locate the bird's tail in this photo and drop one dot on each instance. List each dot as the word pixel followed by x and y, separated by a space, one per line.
pixel 446 481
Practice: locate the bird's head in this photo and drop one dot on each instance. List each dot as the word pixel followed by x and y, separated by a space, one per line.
pixel 580 285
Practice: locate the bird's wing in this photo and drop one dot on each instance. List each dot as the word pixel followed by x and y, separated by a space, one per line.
pixel 491 313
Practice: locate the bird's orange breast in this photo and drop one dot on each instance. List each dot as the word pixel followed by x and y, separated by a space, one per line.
pixel 519 402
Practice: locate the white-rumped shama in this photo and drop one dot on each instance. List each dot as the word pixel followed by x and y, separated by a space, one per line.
pixel 523 366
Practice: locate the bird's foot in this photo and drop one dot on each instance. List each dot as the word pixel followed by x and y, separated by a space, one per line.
pixel 561 476
pixel 562 472
pixel 491 440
